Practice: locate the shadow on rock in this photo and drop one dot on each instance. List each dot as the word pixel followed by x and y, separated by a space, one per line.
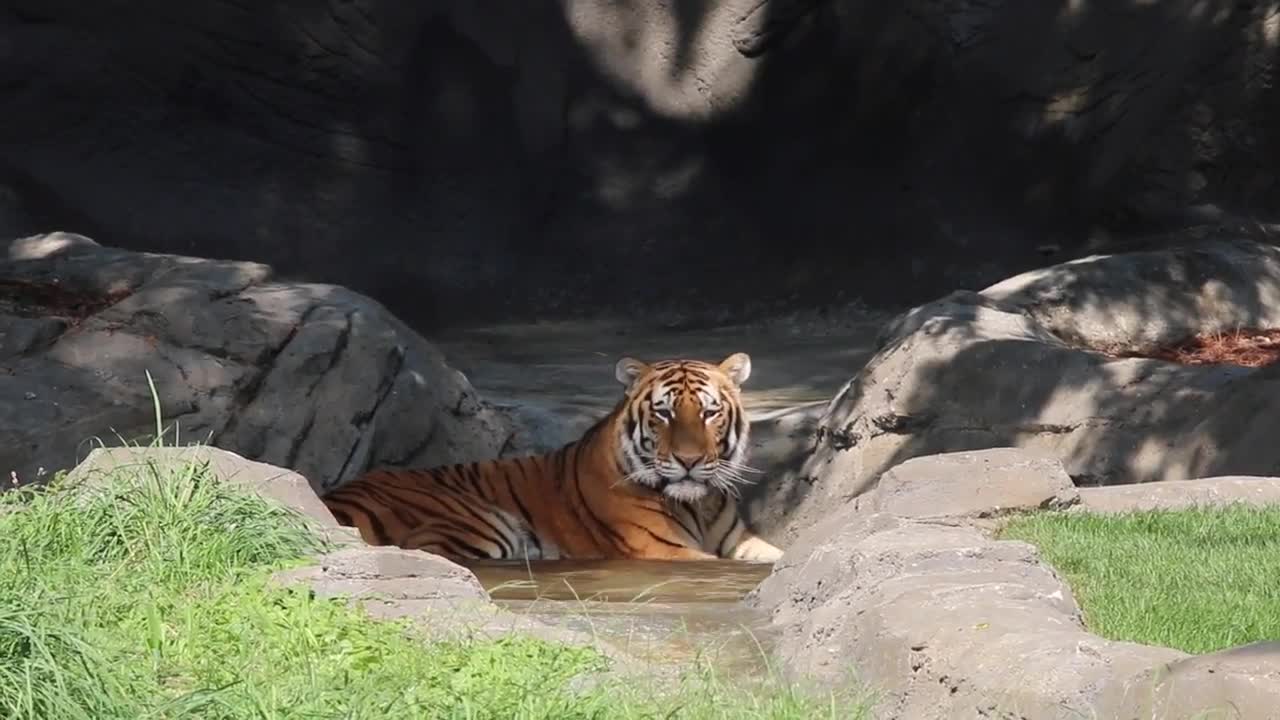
pixel 1033 362
pixel 316 378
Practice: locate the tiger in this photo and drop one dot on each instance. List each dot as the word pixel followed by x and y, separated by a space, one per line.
pixel 658 478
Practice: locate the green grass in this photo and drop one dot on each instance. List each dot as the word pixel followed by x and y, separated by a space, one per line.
pixel 1197 580
pixel 148 598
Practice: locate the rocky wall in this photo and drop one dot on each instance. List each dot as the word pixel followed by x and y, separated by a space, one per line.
pixel 701 159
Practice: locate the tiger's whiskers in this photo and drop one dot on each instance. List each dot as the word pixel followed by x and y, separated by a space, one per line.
pixel 735 476
pixel 646 471
pixel 740 466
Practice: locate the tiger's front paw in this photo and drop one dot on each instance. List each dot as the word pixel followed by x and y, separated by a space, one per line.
pixel 755 549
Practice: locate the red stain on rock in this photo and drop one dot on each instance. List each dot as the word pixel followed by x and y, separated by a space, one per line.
pixel 1247 348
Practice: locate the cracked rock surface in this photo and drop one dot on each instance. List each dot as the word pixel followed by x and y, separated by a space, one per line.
pixel 905 589
pixel 1038 362
pixel 315 378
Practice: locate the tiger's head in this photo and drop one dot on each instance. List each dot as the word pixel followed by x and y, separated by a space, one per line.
pixel 682 429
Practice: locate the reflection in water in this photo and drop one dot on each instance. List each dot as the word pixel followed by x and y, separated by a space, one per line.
pixel 664 612
pixel 628 581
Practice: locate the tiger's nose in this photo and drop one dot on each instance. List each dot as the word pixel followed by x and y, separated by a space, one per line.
pixel 687 460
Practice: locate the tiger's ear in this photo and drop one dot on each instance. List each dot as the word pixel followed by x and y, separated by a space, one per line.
pixel 628 369
pixel 738 367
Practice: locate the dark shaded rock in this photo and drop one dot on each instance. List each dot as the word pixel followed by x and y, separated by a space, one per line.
pixel 20 335
pixel 738 155
pixel 1018 365
pixel 312 377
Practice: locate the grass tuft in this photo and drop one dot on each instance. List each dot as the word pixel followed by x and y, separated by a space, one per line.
pixel 1198 580
pixel 144 594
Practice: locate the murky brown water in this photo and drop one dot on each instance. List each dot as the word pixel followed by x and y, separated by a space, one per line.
pixel 712 581
pixel 666 613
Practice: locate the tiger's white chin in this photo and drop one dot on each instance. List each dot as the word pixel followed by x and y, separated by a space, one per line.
pixel 686 491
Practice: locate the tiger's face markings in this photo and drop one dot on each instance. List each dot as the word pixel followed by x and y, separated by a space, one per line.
pixel 683 430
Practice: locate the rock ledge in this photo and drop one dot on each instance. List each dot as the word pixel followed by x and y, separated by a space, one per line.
pixel 905 587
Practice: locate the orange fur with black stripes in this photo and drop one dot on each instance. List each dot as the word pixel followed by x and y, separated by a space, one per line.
pixel 657 478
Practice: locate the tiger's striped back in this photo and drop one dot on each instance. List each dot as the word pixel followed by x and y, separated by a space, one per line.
pixel 452 510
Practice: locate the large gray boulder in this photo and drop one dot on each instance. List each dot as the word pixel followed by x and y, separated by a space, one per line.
pixel 942 621
pixel 1022 364
pixel 315 378
pixel 904 589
